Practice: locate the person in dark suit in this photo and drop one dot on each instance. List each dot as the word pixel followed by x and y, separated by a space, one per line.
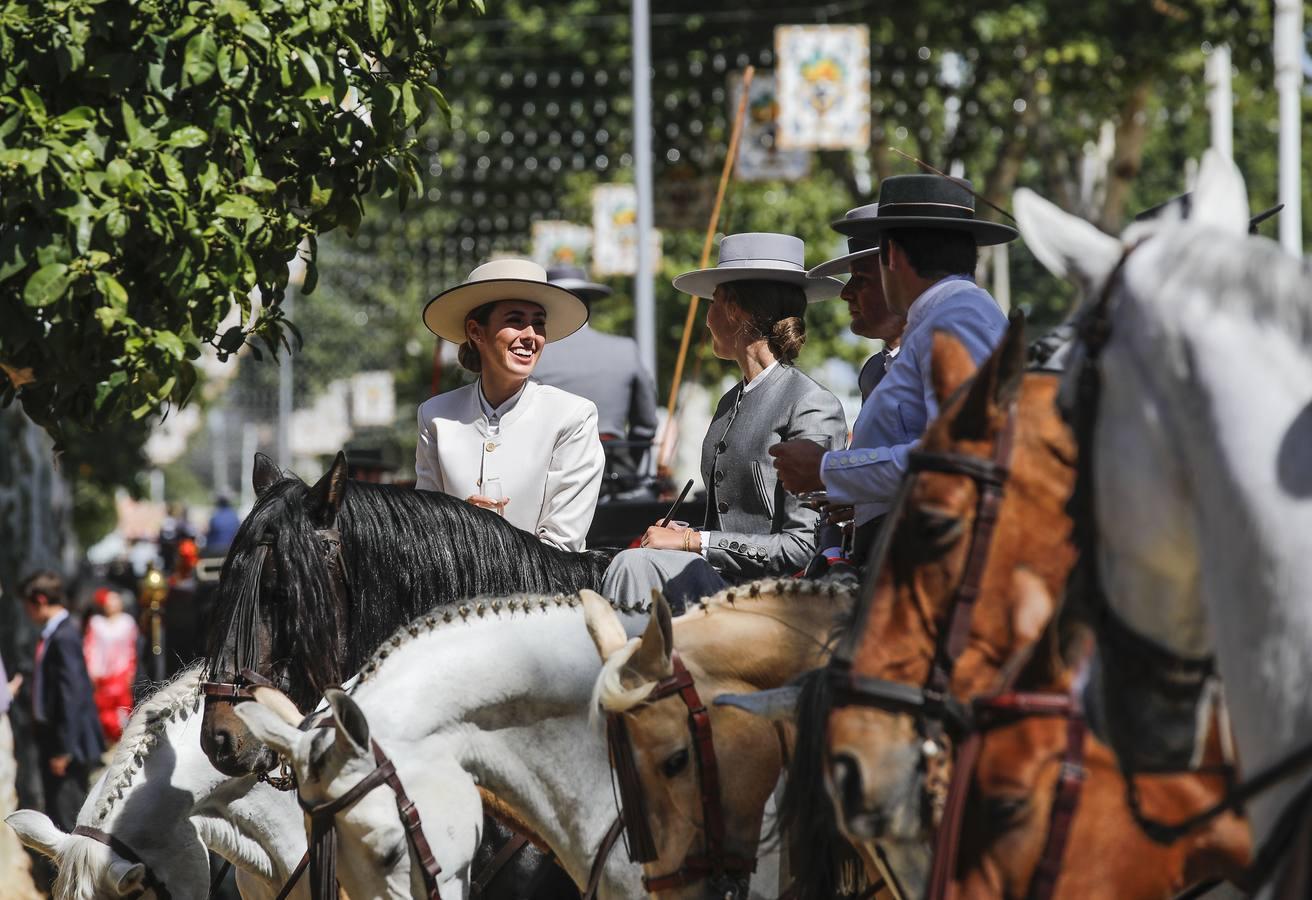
pixel 68 736
pixel 606 369
pixel 754 528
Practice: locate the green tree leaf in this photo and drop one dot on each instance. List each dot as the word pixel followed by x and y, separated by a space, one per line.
pixel 46 285
pixel 237 206
pixel 200 58
pixel 376 10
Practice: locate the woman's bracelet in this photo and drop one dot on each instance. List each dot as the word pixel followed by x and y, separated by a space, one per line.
pixel 687 537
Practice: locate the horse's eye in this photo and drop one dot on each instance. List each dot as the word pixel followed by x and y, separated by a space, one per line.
pixel 938 530
pixel 1005 811
pixel 675 763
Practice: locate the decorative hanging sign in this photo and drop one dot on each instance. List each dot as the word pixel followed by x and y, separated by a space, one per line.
pixel 558 243
pixel 615 231
pixel 683 198
pixel 759 156
pixel 823 81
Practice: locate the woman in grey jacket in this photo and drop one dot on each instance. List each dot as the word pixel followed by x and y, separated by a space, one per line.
pixel 754 528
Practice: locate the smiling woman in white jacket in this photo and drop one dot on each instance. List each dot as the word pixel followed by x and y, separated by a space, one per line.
pixel 538 443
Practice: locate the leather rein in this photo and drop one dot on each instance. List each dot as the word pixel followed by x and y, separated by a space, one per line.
pixel 715 862
pixel 944 720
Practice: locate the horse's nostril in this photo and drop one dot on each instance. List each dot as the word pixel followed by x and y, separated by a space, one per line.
pixel 221 740
pixel 847 778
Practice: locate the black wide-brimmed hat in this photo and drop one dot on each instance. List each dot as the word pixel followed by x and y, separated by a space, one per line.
pixel 926 201
pixel 575 280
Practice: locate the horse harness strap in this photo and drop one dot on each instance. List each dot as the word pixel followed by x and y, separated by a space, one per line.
pixel 608 842
pixel 322 853
pixel 715 860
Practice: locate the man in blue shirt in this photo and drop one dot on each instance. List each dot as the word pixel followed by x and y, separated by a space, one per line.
pixel 929 239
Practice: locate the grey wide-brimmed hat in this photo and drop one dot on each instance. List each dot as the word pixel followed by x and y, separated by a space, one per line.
pixel 926 201
pixel 505 279
pixel 575 280
pixel 759 256
pixel 857 247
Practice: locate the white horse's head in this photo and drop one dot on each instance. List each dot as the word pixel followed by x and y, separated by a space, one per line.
pixel 1146 495
pixel 375 858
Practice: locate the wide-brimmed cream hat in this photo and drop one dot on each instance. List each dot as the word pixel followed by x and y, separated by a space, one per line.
pixel 759 256
pixel 505 279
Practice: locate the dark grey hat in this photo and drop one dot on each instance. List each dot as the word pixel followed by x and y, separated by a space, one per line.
pixel 857 247
pixel 926 201
pixel 575 280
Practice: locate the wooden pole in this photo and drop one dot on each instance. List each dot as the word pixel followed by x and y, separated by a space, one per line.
pixel 691 320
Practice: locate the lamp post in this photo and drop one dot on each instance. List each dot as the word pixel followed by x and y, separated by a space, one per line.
pixel 644 302
pixel 1288 49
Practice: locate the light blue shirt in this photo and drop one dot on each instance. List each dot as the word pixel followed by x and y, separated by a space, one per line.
pixel 902 405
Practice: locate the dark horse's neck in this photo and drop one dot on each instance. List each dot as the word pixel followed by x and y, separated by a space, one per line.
pixel 405 552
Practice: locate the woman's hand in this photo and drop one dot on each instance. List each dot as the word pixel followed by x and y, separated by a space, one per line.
pixel 487 502
pixel 673 538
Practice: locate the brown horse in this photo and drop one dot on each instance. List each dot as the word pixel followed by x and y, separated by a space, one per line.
pixel 889 764
pixel 744 639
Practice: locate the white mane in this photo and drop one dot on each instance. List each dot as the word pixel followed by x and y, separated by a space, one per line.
pixel 442 616
pixel 174 701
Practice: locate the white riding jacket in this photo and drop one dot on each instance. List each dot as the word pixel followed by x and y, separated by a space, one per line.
pixel 545 450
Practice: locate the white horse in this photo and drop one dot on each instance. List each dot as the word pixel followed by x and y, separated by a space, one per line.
pixel 1203 452
pixel 162 798
pixel 494 694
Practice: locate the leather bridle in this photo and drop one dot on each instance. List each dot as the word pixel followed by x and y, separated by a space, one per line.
pixel 246 647
pixel 942 719
pixel 715 863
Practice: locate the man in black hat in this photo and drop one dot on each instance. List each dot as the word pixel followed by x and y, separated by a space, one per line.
pixel 866 304
pixel 929 239
pixel 604 368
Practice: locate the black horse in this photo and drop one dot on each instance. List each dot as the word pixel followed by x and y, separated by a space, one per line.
pixel 318 577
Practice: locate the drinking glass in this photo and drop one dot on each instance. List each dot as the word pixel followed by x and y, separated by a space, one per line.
pixel 492 490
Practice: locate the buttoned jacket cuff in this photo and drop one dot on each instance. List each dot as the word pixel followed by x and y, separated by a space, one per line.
pixel 719 542
pixel 843 470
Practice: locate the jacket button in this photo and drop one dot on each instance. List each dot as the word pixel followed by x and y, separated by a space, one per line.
pixel 723 544
pixel 734 546
pixel 721 446
pixel 719 476
pixel 722 506
pixel 489 446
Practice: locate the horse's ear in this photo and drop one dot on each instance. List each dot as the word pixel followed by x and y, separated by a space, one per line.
pixel 270 728
pixel 651 660
pixel 36 831
pixel 1066 245
pixel 279 702
pixel 264 474
pixel 603 625
pixel 996 385
pixel 325 498
pixel 1220 197
pixel 950 366
pixel 352 726
pixel 127 877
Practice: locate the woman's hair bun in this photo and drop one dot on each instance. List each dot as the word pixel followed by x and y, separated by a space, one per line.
pixel 786 338
pixel 468 357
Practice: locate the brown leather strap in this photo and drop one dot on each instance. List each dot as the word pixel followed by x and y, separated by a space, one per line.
pixel 1064 805
pixel 604 849
pixel 947 839
pixel 148 880
pixel 414 828
pixel 295 876
pixel 478 884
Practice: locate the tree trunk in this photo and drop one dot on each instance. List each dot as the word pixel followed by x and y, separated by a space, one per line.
pixel 1001 180
pixel 1131 134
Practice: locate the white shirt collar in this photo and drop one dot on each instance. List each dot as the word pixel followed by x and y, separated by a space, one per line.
pixel 747 386
pixel 54 623
pixel 494 415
